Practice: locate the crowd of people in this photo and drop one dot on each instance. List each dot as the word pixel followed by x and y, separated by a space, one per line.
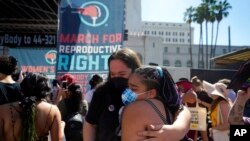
pixel 135 102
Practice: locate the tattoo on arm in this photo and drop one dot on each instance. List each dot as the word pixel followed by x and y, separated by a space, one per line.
pixel 236 113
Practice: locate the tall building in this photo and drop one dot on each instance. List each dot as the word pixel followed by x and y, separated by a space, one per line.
pixel 170 33
pixel 165 43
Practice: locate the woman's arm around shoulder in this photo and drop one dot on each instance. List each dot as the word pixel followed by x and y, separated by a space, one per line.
pixel 174 132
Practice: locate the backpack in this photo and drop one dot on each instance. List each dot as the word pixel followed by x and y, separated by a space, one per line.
pixel 73 127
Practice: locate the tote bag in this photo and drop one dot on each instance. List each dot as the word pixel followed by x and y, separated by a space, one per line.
pixel 198 118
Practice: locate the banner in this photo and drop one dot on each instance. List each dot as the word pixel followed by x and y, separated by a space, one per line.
pixel 27 39
pixel 39 60
pixel 89 31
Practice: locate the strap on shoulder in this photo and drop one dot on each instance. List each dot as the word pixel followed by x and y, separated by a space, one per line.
pixel 157 111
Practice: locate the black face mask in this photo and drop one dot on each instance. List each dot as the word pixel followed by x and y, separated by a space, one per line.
pixel 119 83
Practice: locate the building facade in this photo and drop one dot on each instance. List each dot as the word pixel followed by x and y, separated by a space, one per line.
pixel 170 33
pixel 153 50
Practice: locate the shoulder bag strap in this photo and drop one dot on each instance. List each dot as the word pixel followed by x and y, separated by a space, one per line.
pixel 157 111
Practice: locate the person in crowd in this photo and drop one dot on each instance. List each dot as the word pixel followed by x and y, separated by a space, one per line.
pixel 93 82
pixel 231 95
pixel 73 106
pixel 102 119
pixel 204 101
pixel 73 102
pixel 64 81
pixel 151 98
pixel 219 110
pixel 17 76
pixel 31 119
pixel 55 89
pixel 240 82
pixel 236 116
pixel 10 90
pixel 189 98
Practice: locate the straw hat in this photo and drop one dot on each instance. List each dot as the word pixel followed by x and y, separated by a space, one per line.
pixel 218 89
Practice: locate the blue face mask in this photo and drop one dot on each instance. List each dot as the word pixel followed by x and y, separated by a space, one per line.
pixel 128 96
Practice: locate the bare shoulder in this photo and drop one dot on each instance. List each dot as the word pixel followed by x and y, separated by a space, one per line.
pixel 137 107
pixel 141 109
pixel 46 108
pixel 224 103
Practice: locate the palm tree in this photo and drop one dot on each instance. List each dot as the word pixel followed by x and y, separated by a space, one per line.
pixel 199 18
pixel 212 20
pixel 222 11
pixel 188 17
pixel 207 5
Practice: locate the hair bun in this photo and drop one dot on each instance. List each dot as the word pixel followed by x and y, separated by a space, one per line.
pixel 28 102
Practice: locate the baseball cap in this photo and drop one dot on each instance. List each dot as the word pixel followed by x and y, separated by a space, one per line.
pixel 184 85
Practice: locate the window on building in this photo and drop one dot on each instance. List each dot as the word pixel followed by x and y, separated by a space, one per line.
pixel 166 49
pixel 177 63
pixel 189 63
pixel 166 63
pixel 181 40
pixel 153 44
pixel 178 50
pixel 200 65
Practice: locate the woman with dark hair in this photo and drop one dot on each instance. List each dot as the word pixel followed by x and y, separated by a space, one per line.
pixel 10 90
pixel 32 118
pixel 93 82
pixel 73 107
pixel 73 102
pixel 102 120
pixel 151 98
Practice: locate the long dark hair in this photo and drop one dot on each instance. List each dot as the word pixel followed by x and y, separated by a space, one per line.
pixel 34 87
pixel 95 80
pixel 159 78
pixel 75 98
pixel 128 57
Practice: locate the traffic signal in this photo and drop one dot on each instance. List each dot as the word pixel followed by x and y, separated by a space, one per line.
pixel 125 35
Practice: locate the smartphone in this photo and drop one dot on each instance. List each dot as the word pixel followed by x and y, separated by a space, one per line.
pixel 64 85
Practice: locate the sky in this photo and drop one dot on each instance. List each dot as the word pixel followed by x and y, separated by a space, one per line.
pixel 173 11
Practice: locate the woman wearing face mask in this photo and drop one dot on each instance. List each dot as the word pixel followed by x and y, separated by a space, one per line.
pixel 102 120
pixel 152 99
pixel 102 117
